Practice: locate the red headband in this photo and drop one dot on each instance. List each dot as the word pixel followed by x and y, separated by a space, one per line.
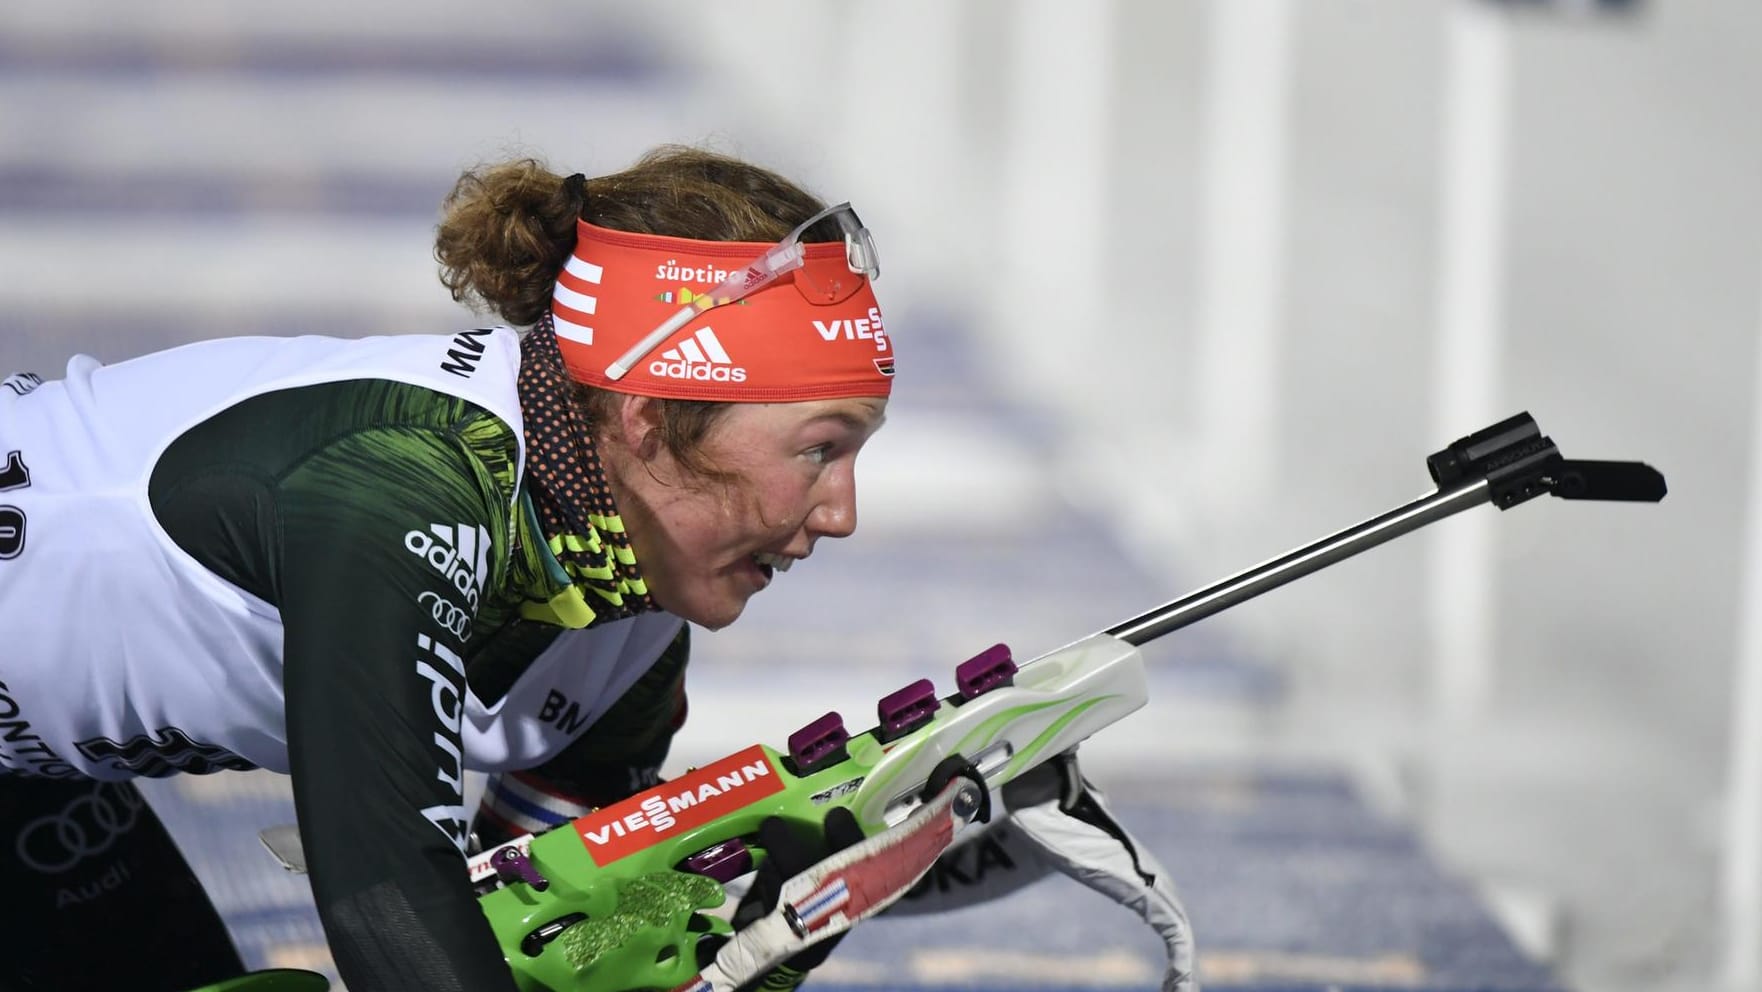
pixel 815 333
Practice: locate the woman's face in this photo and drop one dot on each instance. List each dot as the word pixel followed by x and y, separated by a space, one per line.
pixel 706 546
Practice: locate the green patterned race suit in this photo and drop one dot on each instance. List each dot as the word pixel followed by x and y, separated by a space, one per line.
pixel 303 498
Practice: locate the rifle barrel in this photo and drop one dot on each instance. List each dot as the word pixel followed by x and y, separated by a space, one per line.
pixel 1245 585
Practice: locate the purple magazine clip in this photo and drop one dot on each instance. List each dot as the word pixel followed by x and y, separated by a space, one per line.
pixel 723 862
pixel 985 671
pixel 818 744
pixel 906 710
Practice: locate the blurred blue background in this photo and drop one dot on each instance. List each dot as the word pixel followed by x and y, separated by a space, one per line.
pixel 1176 286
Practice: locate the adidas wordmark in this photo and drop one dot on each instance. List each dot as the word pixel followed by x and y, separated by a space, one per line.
pixel 459 551
pixel 699 357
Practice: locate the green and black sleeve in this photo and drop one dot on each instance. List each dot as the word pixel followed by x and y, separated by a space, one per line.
pixel 308 498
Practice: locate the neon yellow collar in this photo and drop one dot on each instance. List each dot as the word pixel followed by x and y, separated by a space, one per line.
pixel 563 597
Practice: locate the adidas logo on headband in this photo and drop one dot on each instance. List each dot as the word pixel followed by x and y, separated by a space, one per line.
pixel 700 357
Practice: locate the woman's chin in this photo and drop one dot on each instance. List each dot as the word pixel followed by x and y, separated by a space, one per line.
pixel 718 619
pixel 709 612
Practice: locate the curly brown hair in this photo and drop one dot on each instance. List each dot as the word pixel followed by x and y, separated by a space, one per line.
pixel 507 228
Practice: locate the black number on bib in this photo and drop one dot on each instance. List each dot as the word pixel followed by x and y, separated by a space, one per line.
pixel 14 476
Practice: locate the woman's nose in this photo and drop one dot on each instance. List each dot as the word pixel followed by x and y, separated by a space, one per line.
pixel 835 514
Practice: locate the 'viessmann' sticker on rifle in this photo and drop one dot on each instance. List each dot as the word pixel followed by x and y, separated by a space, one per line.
pixel 691 800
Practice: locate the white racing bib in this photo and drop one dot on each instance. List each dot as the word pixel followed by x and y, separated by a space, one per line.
pixel 124 657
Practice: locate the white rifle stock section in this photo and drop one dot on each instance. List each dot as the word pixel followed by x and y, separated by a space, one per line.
pixel 1056 702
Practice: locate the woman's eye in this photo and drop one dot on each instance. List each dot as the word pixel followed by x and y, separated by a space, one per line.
pixel 819 454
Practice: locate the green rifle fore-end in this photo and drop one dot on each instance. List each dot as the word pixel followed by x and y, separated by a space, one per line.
pixel 653 910
pixel 617 908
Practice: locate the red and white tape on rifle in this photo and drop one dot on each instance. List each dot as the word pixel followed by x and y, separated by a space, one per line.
pixel 850 886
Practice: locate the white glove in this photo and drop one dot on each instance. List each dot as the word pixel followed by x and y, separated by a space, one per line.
pixel 1053 819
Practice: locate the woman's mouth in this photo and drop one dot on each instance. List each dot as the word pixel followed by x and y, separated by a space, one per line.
pixel 769 562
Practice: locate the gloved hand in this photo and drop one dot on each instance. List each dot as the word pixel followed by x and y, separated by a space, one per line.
pixel 1054 819
pixel 789 851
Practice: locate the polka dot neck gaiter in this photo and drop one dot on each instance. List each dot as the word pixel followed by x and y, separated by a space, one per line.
pixel 576 515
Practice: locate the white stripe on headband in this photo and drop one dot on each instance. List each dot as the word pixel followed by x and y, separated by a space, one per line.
pixel 583 269
pixel 572 332
pixel 573 300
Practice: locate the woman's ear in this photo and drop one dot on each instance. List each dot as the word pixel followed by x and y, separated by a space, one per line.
pixel 639 426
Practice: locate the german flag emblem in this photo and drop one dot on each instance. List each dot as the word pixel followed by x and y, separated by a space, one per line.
pixel 884 366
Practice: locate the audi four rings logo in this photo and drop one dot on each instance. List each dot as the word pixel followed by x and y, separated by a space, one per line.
pixel 85 828
pixel 448 614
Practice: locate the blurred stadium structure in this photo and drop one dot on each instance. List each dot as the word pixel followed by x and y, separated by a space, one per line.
pixel 1177 286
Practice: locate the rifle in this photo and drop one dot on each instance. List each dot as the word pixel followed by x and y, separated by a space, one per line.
pixel 620 898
